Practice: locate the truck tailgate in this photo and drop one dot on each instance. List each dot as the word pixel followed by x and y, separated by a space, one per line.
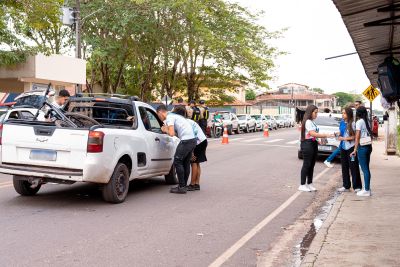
pixel 44 146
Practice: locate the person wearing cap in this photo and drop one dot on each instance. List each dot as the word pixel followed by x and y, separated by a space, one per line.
pixel 204 115
pixel 195 112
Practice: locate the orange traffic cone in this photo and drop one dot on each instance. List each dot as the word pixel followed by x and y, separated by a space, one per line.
pixel 266 131
pixel 225 138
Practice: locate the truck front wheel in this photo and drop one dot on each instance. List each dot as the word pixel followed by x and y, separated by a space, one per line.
pixel 117 188
pixel 23 187
pixel 170 178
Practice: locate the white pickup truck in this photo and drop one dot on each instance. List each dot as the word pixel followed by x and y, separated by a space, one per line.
pixel 120 141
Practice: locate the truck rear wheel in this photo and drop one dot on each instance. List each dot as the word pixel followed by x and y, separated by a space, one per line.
pixel 117 188
pixel 23 187
pixel 170 178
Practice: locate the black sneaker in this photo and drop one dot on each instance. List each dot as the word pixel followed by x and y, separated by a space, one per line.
pixel 191 187
pixel 197 187
pixel 178 190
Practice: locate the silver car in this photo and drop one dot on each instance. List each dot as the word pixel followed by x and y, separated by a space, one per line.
pixel 247 123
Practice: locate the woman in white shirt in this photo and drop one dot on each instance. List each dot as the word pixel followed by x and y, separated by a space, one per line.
pixel 363 148
pixel 309 147
pixel 349 164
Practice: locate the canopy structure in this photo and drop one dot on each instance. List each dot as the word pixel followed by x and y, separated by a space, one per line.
pixel 374 27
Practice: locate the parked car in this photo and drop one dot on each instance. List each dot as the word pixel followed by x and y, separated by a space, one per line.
pixel 271 122
pixel 260 121
pixel 23 114
pixel 247 123
pixel 281 121
pixel 289 120
pixel 230 121
pixel 327 123
pixel 120 141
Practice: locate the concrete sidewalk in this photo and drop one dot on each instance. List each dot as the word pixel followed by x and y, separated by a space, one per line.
pixel 363 231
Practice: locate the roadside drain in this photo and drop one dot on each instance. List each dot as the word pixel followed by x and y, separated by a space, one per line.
pixel 302 248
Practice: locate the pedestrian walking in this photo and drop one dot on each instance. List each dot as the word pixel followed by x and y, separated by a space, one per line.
pixel 176 125
pixel 328 161
pixel 199 153
pixel 363 148
pixel 309 147
pixel 204 115
pixel 349 164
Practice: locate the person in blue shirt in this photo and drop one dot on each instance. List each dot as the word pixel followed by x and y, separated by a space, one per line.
pixel 342 129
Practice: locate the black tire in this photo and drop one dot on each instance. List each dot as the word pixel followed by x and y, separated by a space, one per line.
pixel 171 178
pixel 300 154
pixel 230 130
pixel 117 188
pixel 247 130
pixel 238 131
pixel 23 187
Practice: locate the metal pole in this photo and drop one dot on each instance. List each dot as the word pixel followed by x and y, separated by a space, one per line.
pixel 370 107
pixel 78 44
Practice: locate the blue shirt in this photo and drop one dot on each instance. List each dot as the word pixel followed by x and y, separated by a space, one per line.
pixel 342 129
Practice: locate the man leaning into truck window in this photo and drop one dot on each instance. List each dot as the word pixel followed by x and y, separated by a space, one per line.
pixel 176 125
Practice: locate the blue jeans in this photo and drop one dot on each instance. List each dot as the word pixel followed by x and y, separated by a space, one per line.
pixel 364 156
pixel 333 155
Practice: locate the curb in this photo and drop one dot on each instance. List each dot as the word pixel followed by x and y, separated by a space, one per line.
pixel 319 240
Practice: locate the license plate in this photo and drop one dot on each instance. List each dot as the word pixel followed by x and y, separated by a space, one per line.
pixel 325 148
pixel 45 155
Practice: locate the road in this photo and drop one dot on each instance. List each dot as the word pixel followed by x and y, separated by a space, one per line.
pixel 243 183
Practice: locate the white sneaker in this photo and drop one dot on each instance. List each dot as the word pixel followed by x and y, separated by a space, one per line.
pixel 328 164
pixel 357 190
pixel 311 187
pixel 364 193
pixel 304 188
pixel 343 189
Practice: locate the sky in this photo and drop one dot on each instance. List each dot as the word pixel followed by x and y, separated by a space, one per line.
pixel 315 31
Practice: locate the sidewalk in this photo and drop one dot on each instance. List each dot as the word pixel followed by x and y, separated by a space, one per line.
pixel 363 231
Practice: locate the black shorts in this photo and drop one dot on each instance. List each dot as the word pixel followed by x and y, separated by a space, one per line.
pixel 200 152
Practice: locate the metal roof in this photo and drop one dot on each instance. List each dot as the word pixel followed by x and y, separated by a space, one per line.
pixel 357 16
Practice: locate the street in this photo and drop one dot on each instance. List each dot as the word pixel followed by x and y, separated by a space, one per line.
pixel 242 184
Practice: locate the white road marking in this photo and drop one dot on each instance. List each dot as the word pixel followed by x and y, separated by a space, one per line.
pixel 235 139
pixel 273 141
pixel 242 241
pixel 293 142
pixel 5 185
pixel 252 140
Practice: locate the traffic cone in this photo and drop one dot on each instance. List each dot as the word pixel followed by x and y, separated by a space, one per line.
pixel 266 131
pixel 225 138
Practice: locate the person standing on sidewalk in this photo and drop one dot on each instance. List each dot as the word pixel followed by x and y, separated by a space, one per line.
pixel 363 148
pixel 179 126
pixel 199 153
pixel 328 161
pixel 309 147
pixel 349 164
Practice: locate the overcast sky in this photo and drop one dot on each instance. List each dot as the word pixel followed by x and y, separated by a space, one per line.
pixel 316 31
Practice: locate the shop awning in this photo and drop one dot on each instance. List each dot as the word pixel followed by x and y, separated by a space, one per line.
pixel 374 27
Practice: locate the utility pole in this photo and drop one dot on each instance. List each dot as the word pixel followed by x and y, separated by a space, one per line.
pixel 78 43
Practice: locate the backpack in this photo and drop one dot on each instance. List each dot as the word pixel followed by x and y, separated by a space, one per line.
pixel 389 79
pixel 196 114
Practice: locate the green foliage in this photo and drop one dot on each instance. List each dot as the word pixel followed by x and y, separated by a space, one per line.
pixel 250 95
pixel 344 98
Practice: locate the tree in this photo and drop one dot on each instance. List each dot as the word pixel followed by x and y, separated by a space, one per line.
pixel 250 95
pixel 344 98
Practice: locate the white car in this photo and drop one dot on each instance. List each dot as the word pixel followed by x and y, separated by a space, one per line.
pixel 23 113
pixel 118 140
pixel 247 123
pixel 281 121
pixel 327 123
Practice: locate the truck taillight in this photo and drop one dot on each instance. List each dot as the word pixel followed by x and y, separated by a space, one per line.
pixel 1 133
pixel 95 142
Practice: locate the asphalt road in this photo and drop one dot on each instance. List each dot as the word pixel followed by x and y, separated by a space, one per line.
pixel 242 184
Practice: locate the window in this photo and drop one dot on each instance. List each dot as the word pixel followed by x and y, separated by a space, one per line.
pixel 27 115
pixel 150 120
pixel 14 115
